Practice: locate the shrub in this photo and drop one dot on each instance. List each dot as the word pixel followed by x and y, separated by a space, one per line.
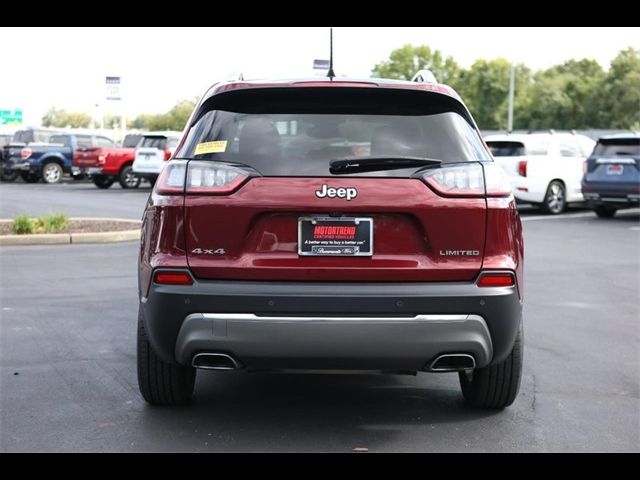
pixel 22 225
pixel 51 223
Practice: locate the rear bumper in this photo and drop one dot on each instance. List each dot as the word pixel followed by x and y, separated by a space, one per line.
pixel 619 199
pixel 332 325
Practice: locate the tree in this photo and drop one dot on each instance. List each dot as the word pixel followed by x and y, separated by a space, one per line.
pixel 62 119
pixel 405 62
pixel 485 90
pixel 174 119
pixel 620 92
pixel 564 96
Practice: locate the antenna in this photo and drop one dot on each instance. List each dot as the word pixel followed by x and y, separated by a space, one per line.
pixel 331 74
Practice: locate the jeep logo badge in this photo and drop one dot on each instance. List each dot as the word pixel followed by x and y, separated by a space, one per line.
pixel 348 193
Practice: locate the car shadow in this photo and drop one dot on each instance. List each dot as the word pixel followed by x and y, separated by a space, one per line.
pixel 314 412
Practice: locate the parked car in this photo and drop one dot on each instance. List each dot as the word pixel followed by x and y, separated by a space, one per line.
pixel 545 169
pixel 22 138
pixel 612 174
pixel 5 139
pixel 51 161
pixel 106 164
pixel 153 151
pixel 269 247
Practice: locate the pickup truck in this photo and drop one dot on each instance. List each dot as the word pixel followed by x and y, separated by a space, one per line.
pixel 105 165
pixel 20 139
pixel 51 161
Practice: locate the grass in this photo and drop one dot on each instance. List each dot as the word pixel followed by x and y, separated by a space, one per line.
pixel 24 225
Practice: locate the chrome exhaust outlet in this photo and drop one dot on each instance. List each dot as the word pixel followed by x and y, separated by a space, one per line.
pixel 214 361
pixel 453 362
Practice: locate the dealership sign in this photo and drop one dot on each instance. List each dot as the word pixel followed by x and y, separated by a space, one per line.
pixel 11 118
pixel 113 88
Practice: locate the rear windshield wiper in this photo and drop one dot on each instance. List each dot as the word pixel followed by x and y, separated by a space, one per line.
pixel 374 164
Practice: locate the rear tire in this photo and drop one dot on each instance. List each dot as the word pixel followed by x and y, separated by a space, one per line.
pixel 29 177
pixel 128 179
pixel 161 383
pixel 8 175
pixel 496 386
pixel 52 173
pixel 102 181
pixel 605 212
pixel 555 199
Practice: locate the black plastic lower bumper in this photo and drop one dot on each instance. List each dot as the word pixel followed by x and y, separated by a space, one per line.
pixel 387 308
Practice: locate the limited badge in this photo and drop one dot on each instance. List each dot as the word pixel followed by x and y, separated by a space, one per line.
pixel 219 146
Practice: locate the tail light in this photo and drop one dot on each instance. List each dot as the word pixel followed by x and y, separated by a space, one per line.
pixel 167 154
pixel 496 279
pixel 172 278
pixel 522 168
pixel 204 178
pixel 469 180
pixel 585 167
pixel 25 153
pixel 102 159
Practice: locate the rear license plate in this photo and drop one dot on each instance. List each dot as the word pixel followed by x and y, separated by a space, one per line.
pixel 615 169
pixel 335 237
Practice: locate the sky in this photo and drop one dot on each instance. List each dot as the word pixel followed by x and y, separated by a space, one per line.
pixel 66 67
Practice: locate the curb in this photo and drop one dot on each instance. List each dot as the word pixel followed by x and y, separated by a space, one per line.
pixel 72 238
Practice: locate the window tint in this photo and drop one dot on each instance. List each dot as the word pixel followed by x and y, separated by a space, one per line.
pixel 569 148
pixel 104 142
pixel 84 141
pixel 131 141
pixel 506 149
pixel 304 144
pixel 61 140
pixel 618 147
pixel 154 142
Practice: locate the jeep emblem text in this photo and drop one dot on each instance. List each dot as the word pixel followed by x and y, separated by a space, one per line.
pixel 348 193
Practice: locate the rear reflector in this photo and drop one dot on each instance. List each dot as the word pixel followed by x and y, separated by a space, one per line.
pixel 172 278
pixel 496 280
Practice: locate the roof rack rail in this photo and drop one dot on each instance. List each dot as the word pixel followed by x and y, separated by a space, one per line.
pixel 424 76
pixel 550 131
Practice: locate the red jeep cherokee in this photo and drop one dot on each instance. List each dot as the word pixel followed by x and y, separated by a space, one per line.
pixel 333 225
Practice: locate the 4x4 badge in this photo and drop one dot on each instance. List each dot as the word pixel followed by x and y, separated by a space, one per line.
pixel 347 193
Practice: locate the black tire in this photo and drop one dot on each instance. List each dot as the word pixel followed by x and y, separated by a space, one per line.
pixel 8 175
pixel 102 181
pixel 161 383
pixel 127 179
pixel 52 173
pixel 29 177
pixel 555 198
pixel 605 212
pixel 495 387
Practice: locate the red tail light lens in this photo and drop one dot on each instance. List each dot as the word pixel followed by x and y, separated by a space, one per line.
pixel 25 153
pixel 202 178
pixel 167 155
pixel 172 278
pixel 469 180
pixel 522 168
pixel 497 279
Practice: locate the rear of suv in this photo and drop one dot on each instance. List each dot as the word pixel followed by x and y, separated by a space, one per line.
pixel 152 152
pixel 331 225
pixel 612 175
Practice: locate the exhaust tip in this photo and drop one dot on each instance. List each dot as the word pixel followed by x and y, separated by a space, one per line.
pixel 214 361
pixel 453 362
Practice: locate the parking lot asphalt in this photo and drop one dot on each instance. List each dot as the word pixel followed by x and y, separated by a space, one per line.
pixel 68 371
pixel 76 199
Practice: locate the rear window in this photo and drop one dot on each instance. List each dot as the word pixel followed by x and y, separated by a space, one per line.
pixel 154 142
pixel 506 149
pixel 131 141
pixel 618 147
pixel 293 134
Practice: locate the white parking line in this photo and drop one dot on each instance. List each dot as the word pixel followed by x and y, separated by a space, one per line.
pixel 633 211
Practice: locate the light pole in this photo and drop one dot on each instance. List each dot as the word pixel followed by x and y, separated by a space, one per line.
pixel 512 89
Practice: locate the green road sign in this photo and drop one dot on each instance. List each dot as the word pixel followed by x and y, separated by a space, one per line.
pixel 11 118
